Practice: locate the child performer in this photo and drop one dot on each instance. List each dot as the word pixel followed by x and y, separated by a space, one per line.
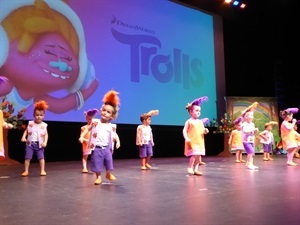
pixel 36 138
pixel 3 125
pixel 235 141
pixel 144 139
pixel 267 140
pixel 101 138
pixel 288 134
pixel 86 151
pixel 193 133
pixel 248 134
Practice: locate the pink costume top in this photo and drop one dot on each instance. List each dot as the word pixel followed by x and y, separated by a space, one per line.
pixel 2 156
pixel 269 138
pixel 248 132
pixel 195 132
pixel 101 134
pixel 36 132
pixel 85 145
pixel 288 135
pixel 144 135
pixel 236 140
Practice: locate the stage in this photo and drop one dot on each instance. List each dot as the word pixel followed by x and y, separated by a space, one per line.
pixel 227 194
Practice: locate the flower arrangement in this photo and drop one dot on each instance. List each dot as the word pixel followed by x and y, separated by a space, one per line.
pixel 9 115
pixel 223 125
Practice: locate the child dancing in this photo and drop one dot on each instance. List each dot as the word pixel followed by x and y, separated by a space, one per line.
pixel 193 133
pixel 101 138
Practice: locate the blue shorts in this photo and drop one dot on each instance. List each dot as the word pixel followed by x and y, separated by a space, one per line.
pixel 34 148
pixel 146 150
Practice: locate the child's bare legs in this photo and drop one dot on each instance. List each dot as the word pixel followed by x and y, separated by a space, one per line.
pixel 269 156
pixel 147 164
pixel 290 155
pixel 200 161
pixel 237 156
pixel 191 164
pixel 250 161
pixel 42 166
pixel 143 163
pixel 196 165
pixel 84 163
pixel 98 178
pixel 241 156
pixel 296 154
pixel 26 166
pixel 266 158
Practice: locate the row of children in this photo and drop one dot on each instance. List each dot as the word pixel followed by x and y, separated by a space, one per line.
pixel 99 135
pixel 290 138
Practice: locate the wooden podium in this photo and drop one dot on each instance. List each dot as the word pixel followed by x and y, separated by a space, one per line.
pixel 226 152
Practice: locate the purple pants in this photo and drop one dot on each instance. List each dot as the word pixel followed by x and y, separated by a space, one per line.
pixel 268 148
pixel 101 157
pixel 146 150
pixel 34 148
pixel 249 147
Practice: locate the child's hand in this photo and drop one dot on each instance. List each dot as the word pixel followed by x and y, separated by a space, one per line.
pixel 81 139
pixel 23 139
pixel 206 131
pixel 118 145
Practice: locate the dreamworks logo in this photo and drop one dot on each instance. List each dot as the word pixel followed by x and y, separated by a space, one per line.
pixel 115 21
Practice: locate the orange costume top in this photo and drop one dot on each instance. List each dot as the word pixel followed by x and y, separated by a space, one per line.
pixel 288 135
pixel 195 132
pixel 236 140
pixel 85 145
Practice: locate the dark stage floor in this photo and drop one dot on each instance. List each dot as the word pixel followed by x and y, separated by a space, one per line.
pixel 226 194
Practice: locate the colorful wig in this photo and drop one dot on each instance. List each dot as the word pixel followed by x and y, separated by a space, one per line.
pixel 40 105
pixel 145 116
pixel 238 120
pixel 288 111
pixel 272 123
pixel 250 108
pixel 111 98
pixel 91 112
pixel 197 101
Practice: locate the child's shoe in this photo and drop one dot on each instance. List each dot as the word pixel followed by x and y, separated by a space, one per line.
pixel 297 155
pixel 43 173
pixel 202 163
pixel 98 181
pixel 242 161
pixel 148 166
pixel 270 159
pixel 190 171
pixel 85 170
pixel 292 164
pixel 25 174
pixel 265 159
pixel 237 161
pixel 198 173
pixel 252 167
pixel 110 177
pixel 143 168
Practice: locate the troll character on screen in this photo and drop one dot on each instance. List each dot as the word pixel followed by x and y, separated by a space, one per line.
pixel 43 55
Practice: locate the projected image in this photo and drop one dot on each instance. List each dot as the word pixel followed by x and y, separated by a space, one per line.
pixel 156 54
pixel 46 53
